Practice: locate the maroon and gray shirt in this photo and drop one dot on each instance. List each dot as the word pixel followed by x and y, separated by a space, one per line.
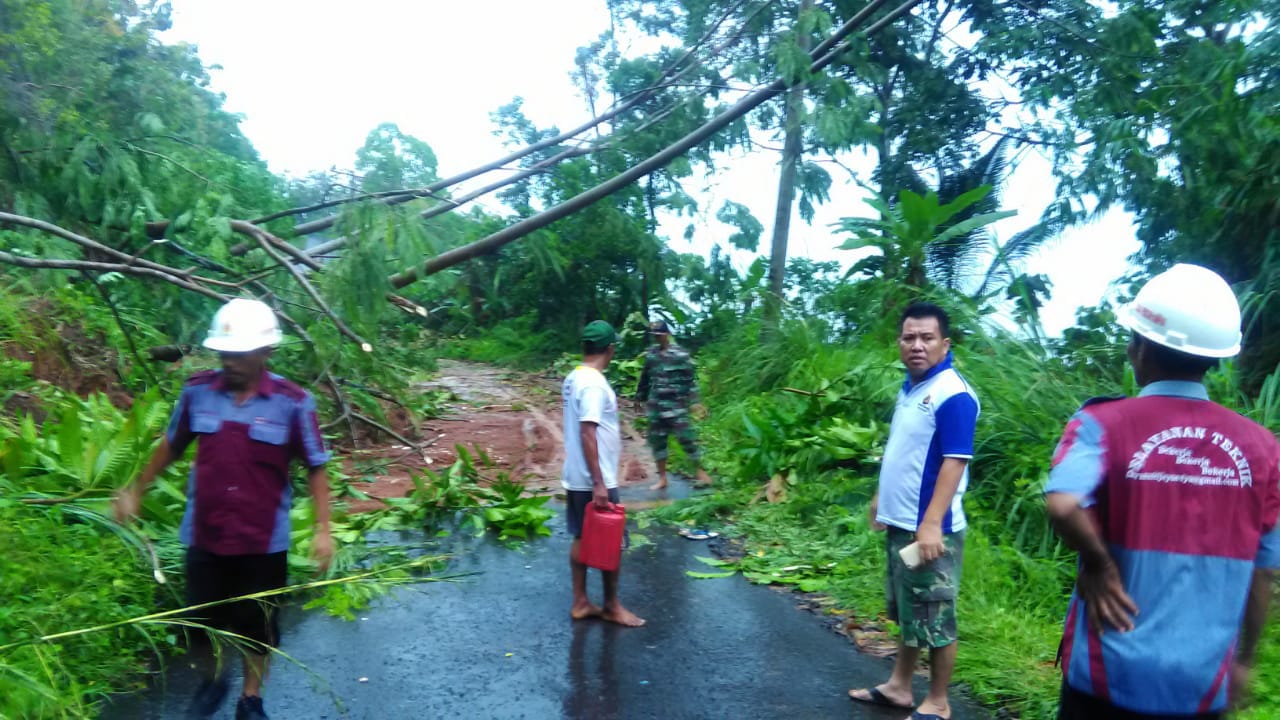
pixel 238 493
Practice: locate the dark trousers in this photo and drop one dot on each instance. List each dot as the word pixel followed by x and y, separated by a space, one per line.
pixel 213 577
pixel 1076 705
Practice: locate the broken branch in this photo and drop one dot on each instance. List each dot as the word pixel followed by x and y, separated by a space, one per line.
pixel 83 265
pixel 266 238
pixel 310 290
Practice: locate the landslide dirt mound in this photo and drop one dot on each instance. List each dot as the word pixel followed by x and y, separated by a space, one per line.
pixel 512 417
pixel 63 353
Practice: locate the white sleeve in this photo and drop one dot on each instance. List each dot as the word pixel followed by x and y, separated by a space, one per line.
pixel 591 402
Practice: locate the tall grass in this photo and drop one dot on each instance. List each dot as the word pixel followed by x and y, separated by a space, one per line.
pixel 1026 396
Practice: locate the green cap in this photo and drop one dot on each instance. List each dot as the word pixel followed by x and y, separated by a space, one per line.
pixel 598 333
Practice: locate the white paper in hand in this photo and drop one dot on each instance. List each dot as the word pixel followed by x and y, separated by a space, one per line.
pixel 911 556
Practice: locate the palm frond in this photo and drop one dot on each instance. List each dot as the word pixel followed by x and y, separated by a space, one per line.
pixel 952 258
pixel 1053 222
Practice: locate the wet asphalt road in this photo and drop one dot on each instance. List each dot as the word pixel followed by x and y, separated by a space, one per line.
pixel 500 645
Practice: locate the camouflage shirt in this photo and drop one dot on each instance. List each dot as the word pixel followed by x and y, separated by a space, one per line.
pixel 668 381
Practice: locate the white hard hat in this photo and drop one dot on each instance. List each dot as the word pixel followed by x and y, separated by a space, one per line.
pixel 1187 308
pixel 243 326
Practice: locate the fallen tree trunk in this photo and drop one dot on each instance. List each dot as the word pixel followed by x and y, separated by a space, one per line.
pixel 821 56
pixel 672 72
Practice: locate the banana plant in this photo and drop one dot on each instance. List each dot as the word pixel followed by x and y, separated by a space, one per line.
pixel 906 231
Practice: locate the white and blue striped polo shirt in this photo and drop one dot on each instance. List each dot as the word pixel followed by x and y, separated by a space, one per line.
pixel 933 418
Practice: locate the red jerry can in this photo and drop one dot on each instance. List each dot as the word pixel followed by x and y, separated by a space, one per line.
pixel 602 532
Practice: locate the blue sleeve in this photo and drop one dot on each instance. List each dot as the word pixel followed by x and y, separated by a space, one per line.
pixel 1080 461
pixel 1269 551
pixel 957 418
pixel 179 431
pixel 314 452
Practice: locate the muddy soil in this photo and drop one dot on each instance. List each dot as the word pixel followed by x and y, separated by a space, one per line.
pixel 64 354
pixel 512 417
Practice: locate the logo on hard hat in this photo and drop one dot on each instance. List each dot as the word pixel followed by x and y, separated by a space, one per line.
pixel 1149 314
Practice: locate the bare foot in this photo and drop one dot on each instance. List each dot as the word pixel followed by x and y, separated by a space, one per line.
pixel 622 616
pixel 942 710
pixel 883 695
pixel 660 485
pixel 582 611
pixel 702 479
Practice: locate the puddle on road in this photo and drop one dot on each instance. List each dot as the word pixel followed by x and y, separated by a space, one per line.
pixel 476 384
pixel 638 505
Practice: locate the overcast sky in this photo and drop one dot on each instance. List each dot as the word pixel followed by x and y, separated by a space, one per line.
pixel 313 78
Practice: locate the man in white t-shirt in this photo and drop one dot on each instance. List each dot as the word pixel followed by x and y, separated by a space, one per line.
pixel 592 449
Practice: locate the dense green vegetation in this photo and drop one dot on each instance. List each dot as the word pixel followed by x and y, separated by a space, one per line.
pixel 132 204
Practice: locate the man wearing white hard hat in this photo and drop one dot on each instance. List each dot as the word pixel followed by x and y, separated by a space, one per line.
pixel 248 425
pixel 1171 501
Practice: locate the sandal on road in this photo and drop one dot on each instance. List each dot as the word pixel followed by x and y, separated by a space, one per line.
pixel 926 716
pixel 875 697
pixel 698 534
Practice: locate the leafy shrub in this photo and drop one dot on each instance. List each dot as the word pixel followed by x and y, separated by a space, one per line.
pixel 65 568
pixel 455 497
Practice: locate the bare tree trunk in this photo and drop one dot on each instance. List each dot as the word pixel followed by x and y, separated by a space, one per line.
pixel 792 149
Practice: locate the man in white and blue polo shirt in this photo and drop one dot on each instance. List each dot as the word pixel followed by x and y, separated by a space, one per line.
pixel 922 480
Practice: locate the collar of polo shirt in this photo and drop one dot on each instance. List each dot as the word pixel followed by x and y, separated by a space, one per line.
pixel 946 363
pixel 266 384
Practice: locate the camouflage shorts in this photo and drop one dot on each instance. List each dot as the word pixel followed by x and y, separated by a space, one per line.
pixel 660 428
pixel 923 601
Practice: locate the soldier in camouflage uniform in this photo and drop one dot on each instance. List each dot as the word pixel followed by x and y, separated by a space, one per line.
pixel 670 387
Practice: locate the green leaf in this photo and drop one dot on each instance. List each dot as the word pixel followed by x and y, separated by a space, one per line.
pixel 221 228
pixel 151 123
pixel 749 228
pixel 973 223
pixel 710 575
pixel 963 201
pixel 182 222
pixel 857 243
pixel 71 440
pixel 813 584
pixel 14 466
pixel 919 211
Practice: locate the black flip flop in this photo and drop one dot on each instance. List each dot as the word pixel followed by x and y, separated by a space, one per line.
pixel 878 698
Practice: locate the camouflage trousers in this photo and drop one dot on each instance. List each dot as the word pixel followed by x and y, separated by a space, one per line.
pixel 923 601
pixel 661 428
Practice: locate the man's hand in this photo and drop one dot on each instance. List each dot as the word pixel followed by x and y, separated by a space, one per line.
pixel 1105 599
pixel 929 538
pixel 322 548
pixel 128 500
pixel 126 503
pixel 872 511
pixel 698 411
pixel 600 497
